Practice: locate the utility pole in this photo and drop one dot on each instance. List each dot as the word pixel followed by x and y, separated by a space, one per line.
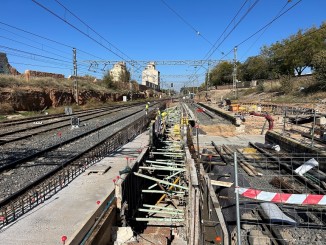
pixel 234 74
pixel 207 82
pixel 74 55
pixel 130 83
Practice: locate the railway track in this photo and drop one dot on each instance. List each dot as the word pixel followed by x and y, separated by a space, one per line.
pixel 31 127
pixel 18 177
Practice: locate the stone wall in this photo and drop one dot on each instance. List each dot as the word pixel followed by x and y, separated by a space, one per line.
pixel 30 73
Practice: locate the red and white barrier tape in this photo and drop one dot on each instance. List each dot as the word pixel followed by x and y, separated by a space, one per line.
pixel 302 199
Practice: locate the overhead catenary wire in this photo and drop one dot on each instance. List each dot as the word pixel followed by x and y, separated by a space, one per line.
pixel 66 9
pixel 82 32
pixel 235 16
pixel 37 57
pixel 31 56
pixel 262 28
pixel 213 50
pixel 32 46
pixel 265 29
pixel 187 23
pixel 48 39
pixel 234 27
pixel 269 23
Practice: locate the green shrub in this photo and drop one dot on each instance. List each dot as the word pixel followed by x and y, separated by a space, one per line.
pixel 260 87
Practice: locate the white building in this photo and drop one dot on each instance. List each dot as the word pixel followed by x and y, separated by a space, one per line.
pixel 151 77
pixel 117 70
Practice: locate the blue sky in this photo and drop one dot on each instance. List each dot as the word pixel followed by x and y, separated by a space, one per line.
pixel 145 30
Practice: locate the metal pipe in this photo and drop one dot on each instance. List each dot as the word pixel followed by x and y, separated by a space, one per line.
pixel 237 198
pixel 160 181
pixel 313 130
pixel 159 211
pixel 163 208
pixel 160 219
pixel 170 188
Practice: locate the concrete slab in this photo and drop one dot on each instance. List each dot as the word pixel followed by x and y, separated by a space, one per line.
pixel 99 168
pixel 66 213
pixel 205 140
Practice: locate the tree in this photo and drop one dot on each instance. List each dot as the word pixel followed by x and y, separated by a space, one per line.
pixel 221 73
pixel 124 76
pixel 295 53
pixel 108 80
pixel 255 67
pixel 319 64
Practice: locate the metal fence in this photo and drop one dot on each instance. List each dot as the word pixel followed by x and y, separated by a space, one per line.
pixel 279 198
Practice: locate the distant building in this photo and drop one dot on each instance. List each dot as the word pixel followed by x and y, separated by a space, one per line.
pixel 151 77
pixel 117 70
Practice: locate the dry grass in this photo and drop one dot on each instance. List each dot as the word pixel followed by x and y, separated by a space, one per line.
pixel 6 108
pixel 8 81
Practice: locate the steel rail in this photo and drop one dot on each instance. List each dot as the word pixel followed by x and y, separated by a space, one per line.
pixel 41 179
pixel 27 158
pixel 48 117
pixel 88 117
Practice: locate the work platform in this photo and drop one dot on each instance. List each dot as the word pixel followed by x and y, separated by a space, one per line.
pixel 72 211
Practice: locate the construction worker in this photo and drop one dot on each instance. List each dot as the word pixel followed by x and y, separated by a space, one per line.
pixel 146 108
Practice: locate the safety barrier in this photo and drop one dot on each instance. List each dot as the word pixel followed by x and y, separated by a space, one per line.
pixel 284 203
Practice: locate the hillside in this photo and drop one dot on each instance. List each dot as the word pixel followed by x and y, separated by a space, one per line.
pixel 17 94
pixel 298 91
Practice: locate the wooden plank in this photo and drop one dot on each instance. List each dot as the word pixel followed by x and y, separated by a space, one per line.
pixel 221 183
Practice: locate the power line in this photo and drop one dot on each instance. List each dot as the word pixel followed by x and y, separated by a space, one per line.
pixel 265 28
pixel 91 28
pixel 186 22
pixel 25 52
pixel 212 51
pixel 37 58
pixel 33 47
pixel 235 26
pixel 29 64
pixel 48 39
pixel 79 30
pixel 269 23
pixel 235 16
